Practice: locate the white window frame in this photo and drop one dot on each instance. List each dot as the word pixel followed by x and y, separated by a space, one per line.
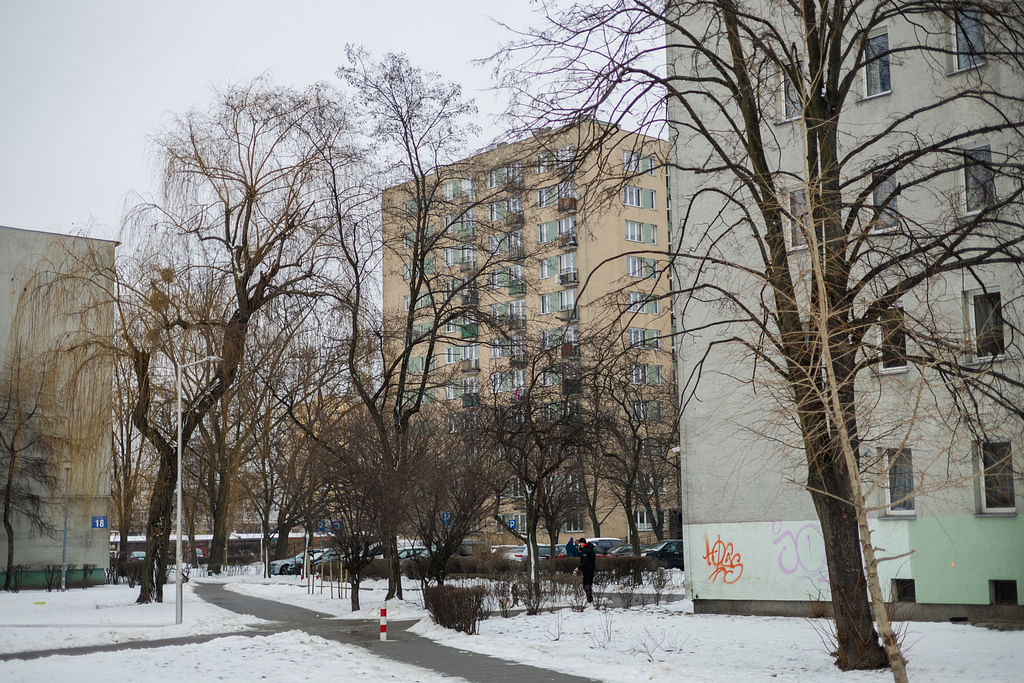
pixel 573 524
pixel 983 479
pixel 901 317
pixel 885 194
pixel 567 299
pixel 793 216
pixel 631 196
pixel 544 232
pixel 634 231
pixel 966 31
pixel 547 196
pixel 790 96
pixel 876 65
pixel 634 266
pixel 906 508
pixel 977 167
pixel 567 262
pixel 452 354
pixel 972 323
pixel 642 523
pixel 567 225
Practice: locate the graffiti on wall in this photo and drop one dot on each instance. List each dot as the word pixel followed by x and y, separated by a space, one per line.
pixel 723 560
pixel 801 552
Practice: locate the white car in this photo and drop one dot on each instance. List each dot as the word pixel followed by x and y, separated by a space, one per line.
pixel 292 565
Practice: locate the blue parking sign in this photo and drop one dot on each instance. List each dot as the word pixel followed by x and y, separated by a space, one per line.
pixel 446 518
pixel 99 522
pixel 512 524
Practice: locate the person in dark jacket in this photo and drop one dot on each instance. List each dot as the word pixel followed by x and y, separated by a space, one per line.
pixel 588 562
pixel 570 549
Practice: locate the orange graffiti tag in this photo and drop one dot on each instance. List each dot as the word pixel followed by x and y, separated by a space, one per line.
pixel 726 562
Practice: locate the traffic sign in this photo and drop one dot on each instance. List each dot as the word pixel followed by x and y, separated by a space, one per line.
pixel 446 518
pixel 512 524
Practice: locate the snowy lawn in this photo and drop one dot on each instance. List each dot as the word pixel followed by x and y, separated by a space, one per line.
pixel 643 643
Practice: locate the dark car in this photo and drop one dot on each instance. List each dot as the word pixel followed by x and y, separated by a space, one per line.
pixel 627 549
pixel 605 544
pixel 670 552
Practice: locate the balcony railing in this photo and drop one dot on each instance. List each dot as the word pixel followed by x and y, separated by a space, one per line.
pixel 567 204
pixel 470 364
pixel 568 277
pixel 567 240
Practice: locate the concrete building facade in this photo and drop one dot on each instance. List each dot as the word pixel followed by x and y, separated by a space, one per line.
pixel 55 404
pixel 944 493
pixel 549 247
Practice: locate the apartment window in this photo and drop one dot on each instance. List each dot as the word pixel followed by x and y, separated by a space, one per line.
pixel 792 107
pixel 546 267
pixel 633 162
pixel 567 299
pixel 799 218
pixel 518 380
pixel 564 157
pixel 646 410
pixel 497 347
pixel 497 211
pixel 470 352
pixel 567 262
pixel 545 162
pixel 986 323
pixel 634 266
pixel 636 336
pixel 566 189
pixel 452 354
pixel 634 231
pixel 979 179
pixel 567 226
pixel 547 303
pixel 574 524
pixel 638 302
pixel 643 520
pixel 876 65
pixel 469 255
pixel 970 37
pixel 892 340
pixel 884 199
pixel 639 197
pixel 546 232
pixel 638 374
pixel 471 385
pixel 900 488
pixel 547 196
pixel 451 391
pixel 1003 591
pixel 996 477
pixel 903 590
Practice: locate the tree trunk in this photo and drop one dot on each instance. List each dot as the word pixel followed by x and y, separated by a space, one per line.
pixel 857 640
pixel 394 569
pixel 218 545
pixel 281 546
pixel 354 582
pixel 158 530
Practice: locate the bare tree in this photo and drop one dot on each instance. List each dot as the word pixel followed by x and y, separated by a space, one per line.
pixel 242 190
pixel 771 155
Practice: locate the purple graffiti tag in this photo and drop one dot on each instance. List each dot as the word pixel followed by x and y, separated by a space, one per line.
pixel 799 552
pixel 726 563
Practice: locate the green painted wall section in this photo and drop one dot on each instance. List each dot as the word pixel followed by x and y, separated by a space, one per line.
pixel 952 562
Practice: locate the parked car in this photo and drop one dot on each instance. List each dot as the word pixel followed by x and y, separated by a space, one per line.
pixel 410 553
pixel 603 545
pixel 292 565
pixel 670 552
pixel 515 552
pixel 626 549
pixel 137 556
pixel 331 555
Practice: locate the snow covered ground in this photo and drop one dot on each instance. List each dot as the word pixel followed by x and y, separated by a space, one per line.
pixel 648 643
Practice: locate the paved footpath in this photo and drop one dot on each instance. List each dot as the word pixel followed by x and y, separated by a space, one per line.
pixel 401 645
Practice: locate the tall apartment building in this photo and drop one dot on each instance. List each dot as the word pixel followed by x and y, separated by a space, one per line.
pixel 929 133
pixel 530 260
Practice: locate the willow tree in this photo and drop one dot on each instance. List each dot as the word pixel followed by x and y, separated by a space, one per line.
pixel 241 215
pixel 838 168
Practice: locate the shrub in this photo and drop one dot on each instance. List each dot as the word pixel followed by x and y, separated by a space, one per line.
pixel 461 609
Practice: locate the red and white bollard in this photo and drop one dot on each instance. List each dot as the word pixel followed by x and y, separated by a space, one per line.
pixel 383 623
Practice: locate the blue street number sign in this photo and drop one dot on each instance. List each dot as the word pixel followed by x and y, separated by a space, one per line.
pixel 336 525
pixel 446 518
pixel 99 522
pixel 321 525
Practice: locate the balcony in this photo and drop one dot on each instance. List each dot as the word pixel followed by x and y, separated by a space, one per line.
pixel 514 184
pixel 470 365
pixel 470 331
pixel 567 240
pixel 568 277
pixel 516 252
pixel 470 297
pixel 470 400
pixel 517 360
pixel 571 386
pixel 567 204
pixel 514 219
pixel 569 315
pixel 467 267
pixel 517 288
pixel 515 321
pixel 570 350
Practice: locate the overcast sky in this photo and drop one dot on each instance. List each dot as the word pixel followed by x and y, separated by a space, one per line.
pixel 86 84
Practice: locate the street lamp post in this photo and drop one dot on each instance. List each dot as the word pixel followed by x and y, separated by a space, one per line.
pixel 64 542
pixel 177 573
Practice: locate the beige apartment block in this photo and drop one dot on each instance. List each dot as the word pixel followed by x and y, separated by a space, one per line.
pixel 527 266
